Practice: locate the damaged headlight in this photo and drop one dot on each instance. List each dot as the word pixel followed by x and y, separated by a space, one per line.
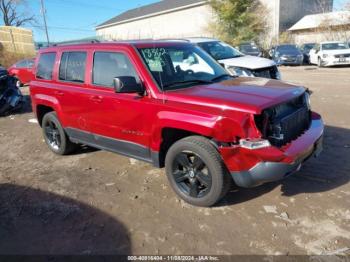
pixel 239 71
pixel 254 143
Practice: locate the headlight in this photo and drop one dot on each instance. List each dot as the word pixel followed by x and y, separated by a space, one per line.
pixel 238 71
pixel 254 143
pixel 325 55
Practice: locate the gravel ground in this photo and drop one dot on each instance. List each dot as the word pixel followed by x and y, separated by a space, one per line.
pixel 96 202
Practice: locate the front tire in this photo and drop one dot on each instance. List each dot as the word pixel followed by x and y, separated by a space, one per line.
pixel 55 136
pixel 319 62
pixel 196 171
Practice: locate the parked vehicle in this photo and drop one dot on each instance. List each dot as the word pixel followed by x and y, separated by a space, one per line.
pixel 171 104
pixel 22 71
pixel 236 62
pixel 11 98
pixel 287 54
pixel 3 72
pixel 250 49
pixel 330 54
pixel 305 49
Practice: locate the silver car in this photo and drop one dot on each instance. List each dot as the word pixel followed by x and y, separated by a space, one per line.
pixel 236 62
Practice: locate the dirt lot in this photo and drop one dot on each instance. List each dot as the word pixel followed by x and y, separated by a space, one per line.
pixel 97 202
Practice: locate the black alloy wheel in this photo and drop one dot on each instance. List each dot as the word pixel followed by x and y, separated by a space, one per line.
pixel 191 174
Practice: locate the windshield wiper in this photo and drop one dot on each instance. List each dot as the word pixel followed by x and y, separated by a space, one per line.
pixel 195 81
pixel 220 77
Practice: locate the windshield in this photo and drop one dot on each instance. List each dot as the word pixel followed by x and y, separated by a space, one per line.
pixel 308 47
pixel 175 67
pixel 334 46
pixel 220 50
pixel 287 48
pixel 249 48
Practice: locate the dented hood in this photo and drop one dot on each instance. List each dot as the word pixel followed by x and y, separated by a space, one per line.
pixel 246 94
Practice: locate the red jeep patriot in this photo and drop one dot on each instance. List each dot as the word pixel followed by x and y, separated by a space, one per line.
pixel 170 104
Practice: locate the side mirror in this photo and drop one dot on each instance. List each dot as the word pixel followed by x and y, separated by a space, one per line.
pixel 127 84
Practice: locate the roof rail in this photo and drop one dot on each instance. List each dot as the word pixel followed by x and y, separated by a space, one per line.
pixel 77 42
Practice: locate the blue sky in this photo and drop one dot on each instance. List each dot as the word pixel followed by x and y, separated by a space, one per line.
pixel 72 19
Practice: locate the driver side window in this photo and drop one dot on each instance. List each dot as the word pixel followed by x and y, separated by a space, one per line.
pixel 109 65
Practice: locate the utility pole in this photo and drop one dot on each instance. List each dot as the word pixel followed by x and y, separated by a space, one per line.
pixel 43 12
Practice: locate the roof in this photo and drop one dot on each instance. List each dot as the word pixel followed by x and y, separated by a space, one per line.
pixel 200 39
pixel 135 43
pixel 158 8
pixel 332 42
pixel 314 21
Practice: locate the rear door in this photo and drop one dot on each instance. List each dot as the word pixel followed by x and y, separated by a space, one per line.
pixel 71 85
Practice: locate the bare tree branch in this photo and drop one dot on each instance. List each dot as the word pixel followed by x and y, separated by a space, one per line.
pixel 11 16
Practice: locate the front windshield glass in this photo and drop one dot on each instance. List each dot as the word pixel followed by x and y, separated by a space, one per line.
pixel 308 47
pixel 334 46
pixel 249 48
pixel 220 50
pixel 287 48
pixel 181 66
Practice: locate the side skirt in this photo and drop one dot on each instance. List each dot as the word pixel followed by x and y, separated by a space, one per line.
pixel 121 147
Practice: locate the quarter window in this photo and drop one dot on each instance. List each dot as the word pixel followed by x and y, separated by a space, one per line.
pixel 72 67
pixel 45 66
pixel 109 65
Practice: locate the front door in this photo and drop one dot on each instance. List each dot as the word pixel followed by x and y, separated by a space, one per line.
pixel 118 122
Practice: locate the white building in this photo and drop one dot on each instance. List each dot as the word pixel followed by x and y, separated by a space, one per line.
pixel 317 28
pixel 188 18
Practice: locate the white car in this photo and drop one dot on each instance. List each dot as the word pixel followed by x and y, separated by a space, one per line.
pixel 236 62
pixel 330 54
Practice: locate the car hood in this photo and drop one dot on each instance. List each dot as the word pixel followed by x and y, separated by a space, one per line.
pixel 245 94
pixel 250 62
pixel 337 52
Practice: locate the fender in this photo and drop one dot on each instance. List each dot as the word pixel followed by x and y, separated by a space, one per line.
pixel 49 101
pixel 220 128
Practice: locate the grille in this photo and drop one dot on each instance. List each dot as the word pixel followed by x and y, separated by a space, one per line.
pixel 342 56
pixel 285 123
pixel 269 72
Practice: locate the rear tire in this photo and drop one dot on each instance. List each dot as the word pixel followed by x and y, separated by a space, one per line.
pixel 55 136
pixel 196 171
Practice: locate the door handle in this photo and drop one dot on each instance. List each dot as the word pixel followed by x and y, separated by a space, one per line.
pixel 59 93
pixel 96 99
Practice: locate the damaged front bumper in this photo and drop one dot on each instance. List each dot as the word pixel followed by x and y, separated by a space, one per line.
pixel 290 161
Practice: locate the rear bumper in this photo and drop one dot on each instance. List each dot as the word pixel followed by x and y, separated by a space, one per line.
pixel 308 145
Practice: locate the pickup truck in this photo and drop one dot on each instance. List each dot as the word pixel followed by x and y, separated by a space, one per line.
pixel 171 104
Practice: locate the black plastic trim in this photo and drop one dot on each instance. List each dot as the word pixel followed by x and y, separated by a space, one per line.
pixel 122 147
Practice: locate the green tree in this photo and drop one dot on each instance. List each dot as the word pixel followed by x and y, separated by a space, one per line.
pixel 238 20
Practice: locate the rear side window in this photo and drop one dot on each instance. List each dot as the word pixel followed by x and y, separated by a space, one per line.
pixel 45 66
pixel 109 65
pixel 72 67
